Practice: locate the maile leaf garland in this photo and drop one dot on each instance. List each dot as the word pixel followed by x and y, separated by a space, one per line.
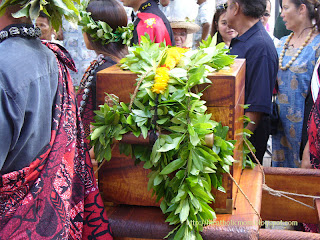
pixel 183 168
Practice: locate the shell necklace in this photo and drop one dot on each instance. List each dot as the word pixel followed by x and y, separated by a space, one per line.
pixel 285 46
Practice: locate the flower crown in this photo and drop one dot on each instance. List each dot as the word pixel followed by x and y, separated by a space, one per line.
pixel 101 31
pixel 54 9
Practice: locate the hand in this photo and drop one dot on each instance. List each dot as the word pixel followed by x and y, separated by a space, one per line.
pixel 306 157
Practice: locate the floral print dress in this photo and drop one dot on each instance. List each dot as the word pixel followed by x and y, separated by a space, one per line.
pixel 293 88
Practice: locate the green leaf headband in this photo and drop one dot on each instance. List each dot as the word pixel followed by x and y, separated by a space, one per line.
pixel 101 31
pixel 55 9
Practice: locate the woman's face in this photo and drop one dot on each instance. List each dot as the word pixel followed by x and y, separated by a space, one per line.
pixel 180 36
pixel 86 41
pixel 226 32
pixel 290 14
pixel 265 18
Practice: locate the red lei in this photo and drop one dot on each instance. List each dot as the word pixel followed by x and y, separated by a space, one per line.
pixel 56 197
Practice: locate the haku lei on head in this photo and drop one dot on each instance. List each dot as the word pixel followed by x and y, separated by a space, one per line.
pixel 101 31
pixel 54 9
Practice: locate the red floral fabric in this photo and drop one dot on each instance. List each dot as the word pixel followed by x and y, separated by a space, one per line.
pixel 314 129
pixel 56 197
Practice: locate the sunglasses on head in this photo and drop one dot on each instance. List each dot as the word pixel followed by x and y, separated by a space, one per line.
pixel 222 6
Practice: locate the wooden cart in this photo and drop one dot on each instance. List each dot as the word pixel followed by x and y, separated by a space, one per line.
pixel 133 213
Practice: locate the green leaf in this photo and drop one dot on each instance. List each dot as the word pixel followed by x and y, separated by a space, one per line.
pixel 124 107
pixel 169 146
pixel 97 132
pixel 157 180
pixel 196 75
pixel 172 166
pixel 130 120
pixel 144 131
pixel 194 139
pixel 184 211
pixel 181 232
pixel 107 154
pixel 180 128
pixel 196 160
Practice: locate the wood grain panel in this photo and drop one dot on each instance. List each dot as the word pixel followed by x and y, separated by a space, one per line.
pixel 149 222
pixel 301 181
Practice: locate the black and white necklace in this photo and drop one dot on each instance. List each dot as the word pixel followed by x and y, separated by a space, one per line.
pixel 86 82
pixel 20 30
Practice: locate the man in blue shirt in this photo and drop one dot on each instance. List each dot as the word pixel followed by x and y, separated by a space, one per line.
pixel 255 45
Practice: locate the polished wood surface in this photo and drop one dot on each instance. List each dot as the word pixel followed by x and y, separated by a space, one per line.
pixel 294 180
pixel 317 205
pixel 149 222
pixel 120 181
pixel 274 234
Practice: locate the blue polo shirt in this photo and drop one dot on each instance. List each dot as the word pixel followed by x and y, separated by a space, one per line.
pixel 256 46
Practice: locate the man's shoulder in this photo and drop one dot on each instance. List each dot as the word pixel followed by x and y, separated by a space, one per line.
pixel 23 62
pixel 261 42
pixel 20 48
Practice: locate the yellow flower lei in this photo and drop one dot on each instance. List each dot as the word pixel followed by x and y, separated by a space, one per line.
pixel 174 54
pixel 161 80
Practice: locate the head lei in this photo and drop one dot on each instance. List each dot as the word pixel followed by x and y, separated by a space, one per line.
pixel 101 31
pixel 54 9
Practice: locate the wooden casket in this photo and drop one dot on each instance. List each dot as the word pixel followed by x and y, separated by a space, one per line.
pixel 123 182
pixel 134 214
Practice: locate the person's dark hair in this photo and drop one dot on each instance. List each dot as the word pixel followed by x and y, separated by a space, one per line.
pixel 113 13
pixel 214 25
pixel 313 9
pixel 43 15
pixel 253 8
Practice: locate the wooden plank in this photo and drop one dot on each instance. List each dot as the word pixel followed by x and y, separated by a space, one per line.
pixel 273 234
pixel 149 222
pixel 317 205
pixel 294 180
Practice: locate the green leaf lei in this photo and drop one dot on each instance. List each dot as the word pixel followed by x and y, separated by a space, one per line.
pixel 55 9
pixel 183 168
pixel 101 31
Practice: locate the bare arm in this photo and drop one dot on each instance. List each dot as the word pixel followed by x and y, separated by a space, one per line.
pixel 255 117
pixel 306 157
pixel 205 30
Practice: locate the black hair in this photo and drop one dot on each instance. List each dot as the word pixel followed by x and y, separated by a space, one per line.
pixel 312 7
pixel 253 8
pixel 113 13
pixel 43 15
pixel 214 25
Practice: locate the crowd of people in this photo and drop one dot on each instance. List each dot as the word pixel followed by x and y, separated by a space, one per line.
pixel 44 153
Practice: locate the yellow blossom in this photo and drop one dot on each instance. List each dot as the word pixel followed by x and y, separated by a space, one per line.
pixel 174 54
pixel 161 80
pixel 170 62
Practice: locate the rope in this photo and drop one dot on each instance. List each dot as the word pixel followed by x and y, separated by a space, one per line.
pixel 284 194
pixel 246 197
pixel 281 193
pixel 137 88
